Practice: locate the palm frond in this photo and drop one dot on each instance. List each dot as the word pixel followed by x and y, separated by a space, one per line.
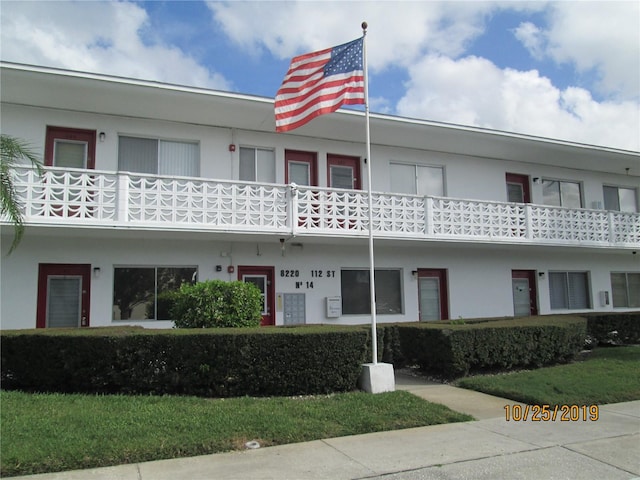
pixel 13 153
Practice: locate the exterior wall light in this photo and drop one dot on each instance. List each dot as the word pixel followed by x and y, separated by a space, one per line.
pixel 102 136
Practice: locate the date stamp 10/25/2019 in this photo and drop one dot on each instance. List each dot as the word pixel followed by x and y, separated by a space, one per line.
pixel 551 413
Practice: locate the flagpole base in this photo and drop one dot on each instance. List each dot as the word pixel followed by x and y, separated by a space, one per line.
pixel 377 378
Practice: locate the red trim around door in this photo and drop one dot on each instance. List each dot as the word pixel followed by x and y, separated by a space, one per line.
pixel 533 292
pixel 75 134
pixel 45 270
pixel 523 181
pixel 441 275
pixel 269 272
pixel 302 157
pixel 344 161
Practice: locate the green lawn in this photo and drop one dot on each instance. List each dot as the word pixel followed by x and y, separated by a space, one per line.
pixel 605 375
pixel 55 432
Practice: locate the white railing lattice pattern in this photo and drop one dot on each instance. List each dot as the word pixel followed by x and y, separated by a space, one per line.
pixel 91 197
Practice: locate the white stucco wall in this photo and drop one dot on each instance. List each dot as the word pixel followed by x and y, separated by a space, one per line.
pixel 465 176
pixel 479 278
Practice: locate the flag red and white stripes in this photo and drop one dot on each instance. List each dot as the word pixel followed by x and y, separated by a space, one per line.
pixel 320 82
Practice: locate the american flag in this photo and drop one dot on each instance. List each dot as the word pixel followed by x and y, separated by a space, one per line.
pixel 320 82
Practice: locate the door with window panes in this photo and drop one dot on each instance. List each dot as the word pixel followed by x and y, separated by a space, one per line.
pixel 263 278
pixel 70 148
pixel 433 299
pixel 63 295
pixel 343 172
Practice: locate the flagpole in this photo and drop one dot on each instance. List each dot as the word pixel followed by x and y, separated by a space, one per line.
pixel 372 281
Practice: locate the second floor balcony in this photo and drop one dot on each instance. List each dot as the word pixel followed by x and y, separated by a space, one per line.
pixel 90 198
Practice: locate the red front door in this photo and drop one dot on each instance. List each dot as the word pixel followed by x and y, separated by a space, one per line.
pixel 343 172
pixel 433 299
pixel 70 148
pixel 518 188
pixel 301 168
pixel 263 278
pixel 525 297
pixel 63 295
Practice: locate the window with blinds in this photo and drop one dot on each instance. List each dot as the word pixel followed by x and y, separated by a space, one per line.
pixel 625 287
pixel 569 290
pixel 158 157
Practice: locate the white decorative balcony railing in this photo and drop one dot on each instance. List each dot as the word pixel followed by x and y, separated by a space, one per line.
pixel 95 198
pixel 202 203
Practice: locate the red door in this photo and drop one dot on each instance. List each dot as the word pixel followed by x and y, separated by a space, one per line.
pixel 263 278
pixel 518 188
pixel 525 297
pixel 63 295
pixel 70 148
pixel 343 172
pixel 433 299
pixel 301 168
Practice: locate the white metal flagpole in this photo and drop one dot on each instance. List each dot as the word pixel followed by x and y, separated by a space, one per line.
pixel 372 281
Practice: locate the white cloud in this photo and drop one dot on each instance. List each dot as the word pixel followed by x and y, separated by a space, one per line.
pixel 398 32
pixel 473 91
pixel 102 37
pixel 531 38
pixel 604 36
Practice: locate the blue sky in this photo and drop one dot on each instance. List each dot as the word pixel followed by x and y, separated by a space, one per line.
pixel 568 70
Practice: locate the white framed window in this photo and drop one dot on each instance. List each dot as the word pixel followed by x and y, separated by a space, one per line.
pixel 356 294
pixel 621 199
pixel 569 290
pixel 69 153
pixel 626 289
pixel 257 165
pixel 416 179
pixel 561 193
pixel 139 293
pixel 158 157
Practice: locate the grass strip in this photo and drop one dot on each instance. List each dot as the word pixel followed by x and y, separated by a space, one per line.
pixel 57 432
pixel 604 375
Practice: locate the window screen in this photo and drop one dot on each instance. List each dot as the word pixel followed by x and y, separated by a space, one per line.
pixel 620 199
pixel 626 289
pixel 569 290
pixel 416 179
pixel 161 157
pixel 257 165
pixel 561 194
pixel 355 290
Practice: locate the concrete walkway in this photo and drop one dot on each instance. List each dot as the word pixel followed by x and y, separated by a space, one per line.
pixel 490 448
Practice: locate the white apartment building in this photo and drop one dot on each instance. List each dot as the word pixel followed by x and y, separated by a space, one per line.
pixel 148 185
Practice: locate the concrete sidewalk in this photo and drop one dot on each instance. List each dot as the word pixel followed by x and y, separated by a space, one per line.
pixel 490 448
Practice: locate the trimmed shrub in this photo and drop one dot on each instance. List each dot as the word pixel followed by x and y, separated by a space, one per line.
pixel 455 350
pixel 216 303
pixel 614 328
pixel 211 363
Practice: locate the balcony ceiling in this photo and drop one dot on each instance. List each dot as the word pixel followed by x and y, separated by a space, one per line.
pixel 91 93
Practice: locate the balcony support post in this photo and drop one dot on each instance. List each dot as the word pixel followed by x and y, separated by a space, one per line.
pixel 122 199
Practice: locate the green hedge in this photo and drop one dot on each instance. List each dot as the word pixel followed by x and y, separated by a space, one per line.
pixel 222 363
pixel 453 350
pixel 614 328
pixel 275 361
